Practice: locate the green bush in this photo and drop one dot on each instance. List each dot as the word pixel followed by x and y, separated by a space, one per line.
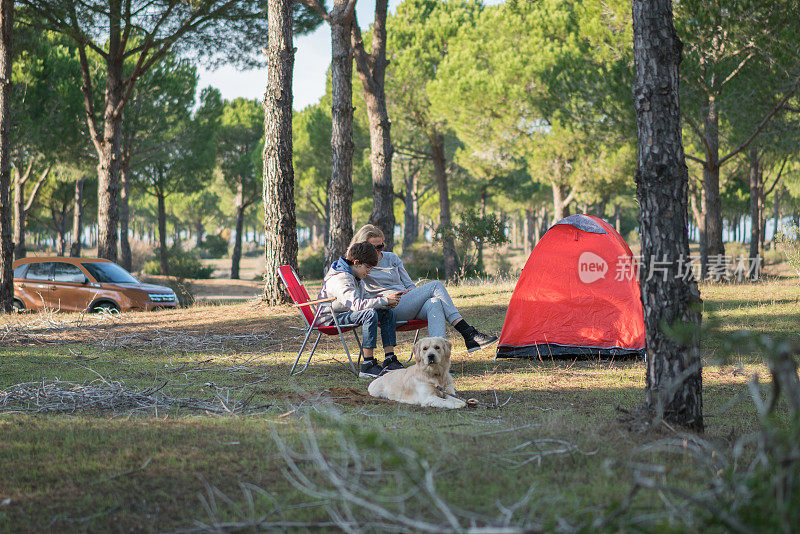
pixel 311 262
pixel 180 264
pixel 423 260
pixel 183 289
pixel 213 246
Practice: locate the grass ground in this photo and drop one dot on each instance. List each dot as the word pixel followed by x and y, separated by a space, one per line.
pixel 551 426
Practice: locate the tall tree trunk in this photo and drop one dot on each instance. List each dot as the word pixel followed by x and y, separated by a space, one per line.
pixel 700 220
pixel 543 225
pixel 23 205
pixel 674 379
pixel 776 216
pixel 372 72
pixel 19 216
pixel 411 211
pixel 528 230
pixel 109 156
pixel 561 200
pixel 6 245
pixel 755 215
pixel 340 190
pixel 124 216
pixel 280 223
pixel 479 246
pixel 236 255
pixel 61 226
pixel 617 218
pixel 77 219
pixel 162 233
pixel 713 203
pixel 451 267
pixel 199 232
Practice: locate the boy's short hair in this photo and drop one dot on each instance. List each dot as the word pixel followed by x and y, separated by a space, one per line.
pixel 365 253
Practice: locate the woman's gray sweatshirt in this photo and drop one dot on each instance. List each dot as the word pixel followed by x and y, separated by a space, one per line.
pixel 389 276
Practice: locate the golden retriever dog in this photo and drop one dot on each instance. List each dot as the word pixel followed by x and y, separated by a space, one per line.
pixel 426 383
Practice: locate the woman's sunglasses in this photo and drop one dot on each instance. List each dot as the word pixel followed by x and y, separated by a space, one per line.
pixel 380 247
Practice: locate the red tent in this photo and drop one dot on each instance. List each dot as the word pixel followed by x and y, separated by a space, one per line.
pixel 578 294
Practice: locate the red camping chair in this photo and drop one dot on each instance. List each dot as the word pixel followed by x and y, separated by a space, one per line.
pixel 301 300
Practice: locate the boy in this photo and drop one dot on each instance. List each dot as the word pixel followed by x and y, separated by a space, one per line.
pixel 342 281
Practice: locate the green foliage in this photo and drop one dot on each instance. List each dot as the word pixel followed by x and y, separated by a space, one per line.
pixel 311 263
pixel 474 231
pixel 213 246
pixel 424 260
pixel 788 243
pixel 180 263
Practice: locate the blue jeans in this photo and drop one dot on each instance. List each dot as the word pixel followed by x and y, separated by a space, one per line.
pixel 370 319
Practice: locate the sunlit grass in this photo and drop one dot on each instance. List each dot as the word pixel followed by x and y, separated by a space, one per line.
pixel 144 471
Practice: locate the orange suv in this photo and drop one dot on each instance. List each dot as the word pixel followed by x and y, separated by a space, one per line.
pixel 78 284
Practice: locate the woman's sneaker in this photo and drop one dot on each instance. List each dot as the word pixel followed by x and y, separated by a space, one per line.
pixel 475 340
pixel 391 364
pixel 370 369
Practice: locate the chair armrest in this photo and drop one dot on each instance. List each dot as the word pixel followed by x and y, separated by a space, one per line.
pixel 312 302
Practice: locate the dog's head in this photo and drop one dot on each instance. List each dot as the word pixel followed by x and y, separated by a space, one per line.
pixel 432 354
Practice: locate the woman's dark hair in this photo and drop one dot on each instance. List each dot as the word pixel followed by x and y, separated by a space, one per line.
pixel 365 253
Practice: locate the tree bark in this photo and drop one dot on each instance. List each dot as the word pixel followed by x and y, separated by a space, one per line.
pixel 111 143
pixel 236 255
pixel 674 379
pixel 162 233
pixel 199 232
pixel 713 203
pixel 280 223
pixel 77 220
pixel 372 72
pixel 451 264
pixel 776 215
pixel 561 200
pixel 340 190
pixel 411 211
pixel 755 200
pixel 19 213
pixel 6 245
pixel 124 216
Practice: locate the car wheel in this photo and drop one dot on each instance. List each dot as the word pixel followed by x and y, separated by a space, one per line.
pixel 17 306
pixel 106 307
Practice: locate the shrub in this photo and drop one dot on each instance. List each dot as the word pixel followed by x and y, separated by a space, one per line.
pixel 311 262
pixel 180 264
pixel 788 243
pixel 183 289
pixel 213 246
pixel 423 260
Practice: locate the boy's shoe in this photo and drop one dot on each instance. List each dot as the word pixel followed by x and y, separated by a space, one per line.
pixel 475 340
pixel 370 369
pixel 391 364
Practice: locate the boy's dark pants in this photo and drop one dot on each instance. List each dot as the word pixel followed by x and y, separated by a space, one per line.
pixel 370 319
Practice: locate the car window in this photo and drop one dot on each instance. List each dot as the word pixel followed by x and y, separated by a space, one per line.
pixel 19 272
pixel 40 271
pixel 109 273
pixel 66 272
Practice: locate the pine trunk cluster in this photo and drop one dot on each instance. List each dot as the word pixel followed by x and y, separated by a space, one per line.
pixel 280 225
pixel 674 379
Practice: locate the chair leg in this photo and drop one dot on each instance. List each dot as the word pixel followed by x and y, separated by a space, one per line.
pixel 303 346
pixel 360 349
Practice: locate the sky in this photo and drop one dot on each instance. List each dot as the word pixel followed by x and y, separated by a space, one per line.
pixel 311 62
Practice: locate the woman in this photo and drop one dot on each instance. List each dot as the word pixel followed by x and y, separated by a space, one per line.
pixel 429 302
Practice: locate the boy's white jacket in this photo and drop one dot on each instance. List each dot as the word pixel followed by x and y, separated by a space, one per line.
pixel 340 282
